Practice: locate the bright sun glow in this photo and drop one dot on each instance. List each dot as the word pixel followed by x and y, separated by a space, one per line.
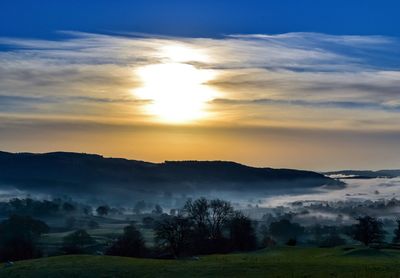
pixel 177 90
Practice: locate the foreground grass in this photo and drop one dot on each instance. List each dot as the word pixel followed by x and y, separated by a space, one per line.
pixel 277 262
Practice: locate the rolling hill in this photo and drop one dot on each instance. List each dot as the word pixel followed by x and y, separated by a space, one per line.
pixel 89 173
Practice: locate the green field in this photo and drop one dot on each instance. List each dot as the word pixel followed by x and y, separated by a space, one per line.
pixel 109 228
pixel 276 262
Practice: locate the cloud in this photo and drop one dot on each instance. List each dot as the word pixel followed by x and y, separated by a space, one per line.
pixel 294 79
pixel 327 104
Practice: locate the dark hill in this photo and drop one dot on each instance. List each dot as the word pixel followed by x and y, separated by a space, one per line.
pixel 85 173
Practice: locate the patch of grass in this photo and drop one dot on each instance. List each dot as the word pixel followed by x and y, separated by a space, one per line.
pixel 370 252
pixel 276 262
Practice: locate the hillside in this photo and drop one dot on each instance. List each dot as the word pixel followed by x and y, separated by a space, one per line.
pixel 88 173
pixel 277 262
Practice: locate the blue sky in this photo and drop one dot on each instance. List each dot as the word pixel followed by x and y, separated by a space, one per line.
pixel 209 18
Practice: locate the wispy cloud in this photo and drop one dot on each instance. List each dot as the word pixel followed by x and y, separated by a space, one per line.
pixel 297 81
pixel 78 74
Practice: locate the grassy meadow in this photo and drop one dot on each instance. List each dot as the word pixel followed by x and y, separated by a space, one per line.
pixel 275 262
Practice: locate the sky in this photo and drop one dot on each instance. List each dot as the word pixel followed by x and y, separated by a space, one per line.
pixel 294 84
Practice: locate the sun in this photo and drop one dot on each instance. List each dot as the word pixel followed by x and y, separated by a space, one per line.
pixel 177 90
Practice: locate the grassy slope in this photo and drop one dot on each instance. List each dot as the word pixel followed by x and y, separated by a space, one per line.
pixel 278 262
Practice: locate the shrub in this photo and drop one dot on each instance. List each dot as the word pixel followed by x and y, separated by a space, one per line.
pixel 76 242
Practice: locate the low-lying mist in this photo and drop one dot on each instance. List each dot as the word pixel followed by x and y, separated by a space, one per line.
pixel 330 205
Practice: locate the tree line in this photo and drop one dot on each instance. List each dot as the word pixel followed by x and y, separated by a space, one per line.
pixel 201 227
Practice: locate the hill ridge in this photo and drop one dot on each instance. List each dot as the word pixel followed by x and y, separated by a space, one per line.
pixel 68 171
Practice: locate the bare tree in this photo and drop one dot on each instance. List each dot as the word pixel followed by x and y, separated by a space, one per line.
pixel 173 234
pixel 198 212
pixel 220 213
pixel 209 217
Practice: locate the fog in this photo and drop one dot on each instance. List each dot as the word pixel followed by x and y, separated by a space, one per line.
pixel 325 204
pixel 354 190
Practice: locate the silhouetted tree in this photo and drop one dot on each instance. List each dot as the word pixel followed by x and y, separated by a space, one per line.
pixel 103 210
pixel 396 238
pixel 30 207
pixel 18 237
pixel 220 213
pixel 209 219
pixel 284 230
pixel 76 242
pixel 130 244
pixel 242 234
pixel 368 230
pixel 174 235
pixel 198 212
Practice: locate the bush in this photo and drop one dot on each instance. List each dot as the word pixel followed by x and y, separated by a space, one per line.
pixel 291 242
pixel 267 241
pixel 284 230
pixel 76 242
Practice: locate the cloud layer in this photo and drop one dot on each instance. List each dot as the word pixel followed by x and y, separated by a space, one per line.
pixel 294 81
